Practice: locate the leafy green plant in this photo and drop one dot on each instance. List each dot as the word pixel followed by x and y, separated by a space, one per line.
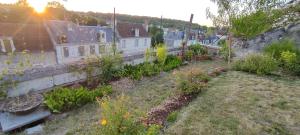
pixel 109 65
pixel 198 49
pixel 225 52
pixel 276 48
pixel 172 117
pixel 290 62
pixel 189 55
pixel 63 99
pixel 192 83
pixel 172 62
pixel 119 119
pixel 256 63
pixel 161 54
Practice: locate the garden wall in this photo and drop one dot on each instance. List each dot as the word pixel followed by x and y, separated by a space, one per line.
pixel 45 78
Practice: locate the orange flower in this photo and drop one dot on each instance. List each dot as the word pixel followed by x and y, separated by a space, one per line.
pixel 103 122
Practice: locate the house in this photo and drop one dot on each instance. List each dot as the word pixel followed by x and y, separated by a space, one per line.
pixel 174 39
pixel 132 38
pixel 73 42
pixel 29 43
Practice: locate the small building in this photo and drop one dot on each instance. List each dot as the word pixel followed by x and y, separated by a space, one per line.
pixel 132 38
pixel 25 45
pixel 73 42
pixel 174 39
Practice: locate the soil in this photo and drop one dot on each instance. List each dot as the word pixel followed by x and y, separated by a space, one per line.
pixel 22 104
pixel 123 85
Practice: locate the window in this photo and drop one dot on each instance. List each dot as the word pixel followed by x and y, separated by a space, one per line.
pixel 81 50
pixel 92 49
pixel 137 32
pixel 101 36
pixel 123 43
pixel 7 45
pixel 66 51
pixel 136 43
pixel 145 42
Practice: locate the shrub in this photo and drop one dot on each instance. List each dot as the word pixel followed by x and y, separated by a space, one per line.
pixel 198 49
pixel 276 48
pixel 172 62
pixel 118 119
pixel 193 83
pixel 161 54
pixel 256 63
pixel 290 62
pixel 109 65
pixel 188 55
pixel 224 51
pixel 63 99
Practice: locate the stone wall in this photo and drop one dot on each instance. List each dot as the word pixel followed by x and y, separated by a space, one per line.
pixel 255 45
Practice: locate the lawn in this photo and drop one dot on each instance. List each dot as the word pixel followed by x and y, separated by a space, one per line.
pixel 235 103
pixel 245 104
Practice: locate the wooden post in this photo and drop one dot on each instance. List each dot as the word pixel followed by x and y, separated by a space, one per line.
pixel 188 31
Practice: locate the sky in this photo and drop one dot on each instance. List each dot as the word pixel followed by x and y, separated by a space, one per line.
pixel 173 9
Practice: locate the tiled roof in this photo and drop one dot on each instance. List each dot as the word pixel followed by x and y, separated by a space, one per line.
pixel 77 34
pixel 125 30
pixel 31 37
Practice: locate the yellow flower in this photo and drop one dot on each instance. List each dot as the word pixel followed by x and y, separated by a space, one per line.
pixel 103 122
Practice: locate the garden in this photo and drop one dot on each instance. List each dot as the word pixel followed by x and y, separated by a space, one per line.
pixel 258 94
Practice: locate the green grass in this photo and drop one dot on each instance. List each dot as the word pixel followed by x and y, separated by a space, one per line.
pixel 236 103
pixel 240 103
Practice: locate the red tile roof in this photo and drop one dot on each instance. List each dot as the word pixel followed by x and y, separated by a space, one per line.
pixel 31 37
pixel 125 30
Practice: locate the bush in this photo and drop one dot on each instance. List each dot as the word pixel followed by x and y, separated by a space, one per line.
pixel 290 62
pixel 276 48
pixel 118 119
pixel 188 55
pixel 194 83
pixel 256 63
pixel 161 54
pixel 198 49
pixel 63 99
pixel 109 65
pixel 172 62
pixel 224 51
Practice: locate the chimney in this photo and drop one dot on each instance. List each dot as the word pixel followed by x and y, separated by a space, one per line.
pixel 146 25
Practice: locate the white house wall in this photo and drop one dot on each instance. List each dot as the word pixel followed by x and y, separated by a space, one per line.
pixel 74 52
pixel 130 47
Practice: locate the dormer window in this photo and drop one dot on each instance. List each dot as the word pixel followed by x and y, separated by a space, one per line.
pixel 62 39
pixel 70 27
pixel 101 36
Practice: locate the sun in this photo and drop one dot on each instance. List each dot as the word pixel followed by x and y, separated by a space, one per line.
pixel 38 5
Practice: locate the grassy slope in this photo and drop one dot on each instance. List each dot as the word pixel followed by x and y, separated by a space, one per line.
pixel 240 103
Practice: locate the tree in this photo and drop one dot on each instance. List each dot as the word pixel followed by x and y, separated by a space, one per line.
pixel 232 12
pixel 157 36
pixel 55 4
pixel 23 3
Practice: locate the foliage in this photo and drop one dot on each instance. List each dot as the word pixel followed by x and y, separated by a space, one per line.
pixel 198 49
pixel 172 117
pixel 118 119
pixel 248 26
pixel 156 36
pixel 109 65
pixel 161 54
pixel 172 62
pixel 256 63
pixel 194 83
pixel 276 48
pixel 224 51
pixel 188 55
pixel 290 62
pixel 63 99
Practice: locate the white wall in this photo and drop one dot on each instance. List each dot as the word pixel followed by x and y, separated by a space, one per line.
pixel 131 48
pixel 36 59
pixel 74 53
